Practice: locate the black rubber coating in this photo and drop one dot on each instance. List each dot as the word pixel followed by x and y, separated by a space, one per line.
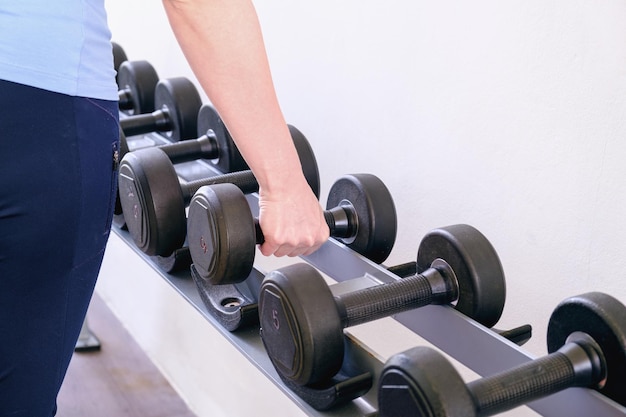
pixel 475 262
pixel 602 317
pixel 380 301
pixel 137 82
pixel 375 211
pixel 300 325
pixel 228 158
pixel 421 382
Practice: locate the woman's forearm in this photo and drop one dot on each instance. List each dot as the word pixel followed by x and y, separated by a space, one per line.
pixel 223 44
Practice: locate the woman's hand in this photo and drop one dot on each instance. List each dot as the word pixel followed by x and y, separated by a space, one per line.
pixel 292 221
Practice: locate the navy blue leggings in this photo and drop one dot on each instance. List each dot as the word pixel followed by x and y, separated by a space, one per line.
pixel 57 190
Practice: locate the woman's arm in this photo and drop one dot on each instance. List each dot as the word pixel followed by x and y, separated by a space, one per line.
pixel 223 44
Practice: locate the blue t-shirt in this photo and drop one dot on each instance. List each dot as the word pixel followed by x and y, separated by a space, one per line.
pixel 58 45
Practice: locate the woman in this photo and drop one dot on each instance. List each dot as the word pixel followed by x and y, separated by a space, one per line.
pixel 59 127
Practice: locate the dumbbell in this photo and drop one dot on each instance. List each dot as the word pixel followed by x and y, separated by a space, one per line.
pixel 154 200
pixel 214 144
pixel 586 341
pixel 177 104
pixel 136 81
pixel 119 56
pixel 223 234
pixel 302 322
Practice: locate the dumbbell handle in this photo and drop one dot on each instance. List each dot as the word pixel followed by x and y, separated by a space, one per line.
pixel 372 303
pixel 570 366
pixel 341 221
pixel 125 98
pixel 245 180
pixel 157 121
pixel 188 150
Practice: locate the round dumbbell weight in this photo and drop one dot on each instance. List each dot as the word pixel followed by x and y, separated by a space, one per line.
pixel 586 345
pixel 302 322
pixel 177 104
pixel 119 56
pixel 136 82
pixel 223 234
pixel 214 144
pixel 154 200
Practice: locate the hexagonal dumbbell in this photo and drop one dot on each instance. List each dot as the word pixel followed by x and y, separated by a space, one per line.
pixel 177 104
pixel 587 345
pixel 154 200
pixel 213 144
pixel 302 322
pixel 223 234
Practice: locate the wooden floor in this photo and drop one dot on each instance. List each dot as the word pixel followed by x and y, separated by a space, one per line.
pixel 118 380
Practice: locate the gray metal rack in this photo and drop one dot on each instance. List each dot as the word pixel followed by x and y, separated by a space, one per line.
pixel 351 269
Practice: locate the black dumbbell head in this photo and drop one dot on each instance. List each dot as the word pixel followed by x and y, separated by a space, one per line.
pixel 604 319
pixel 155 216
pixel 221 236
pixel 181 98
pixel 229 158
pixel 118 213
pixel 375 214
pixel 476 265
pixel 119 56
pixel 300 325
pixel 140 79
pixel 307 159
pixel 421 382
pixel 124 149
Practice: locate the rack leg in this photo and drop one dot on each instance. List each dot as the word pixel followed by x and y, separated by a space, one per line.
pixel 87 340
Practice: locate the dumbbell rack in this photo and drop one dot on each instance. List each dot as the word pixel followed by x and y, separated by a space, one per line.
pixel 353 271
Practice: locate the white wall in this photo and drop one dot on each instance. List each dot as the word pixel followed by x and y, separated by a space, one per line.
pixel 505 115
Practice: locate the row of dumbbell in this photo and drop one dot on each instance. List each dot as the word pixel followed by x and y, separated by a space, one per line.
pixel 156 198
pixel 172 108
pixel 586 341
pixel 222 233
pixel 221 256
pixel 302 322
